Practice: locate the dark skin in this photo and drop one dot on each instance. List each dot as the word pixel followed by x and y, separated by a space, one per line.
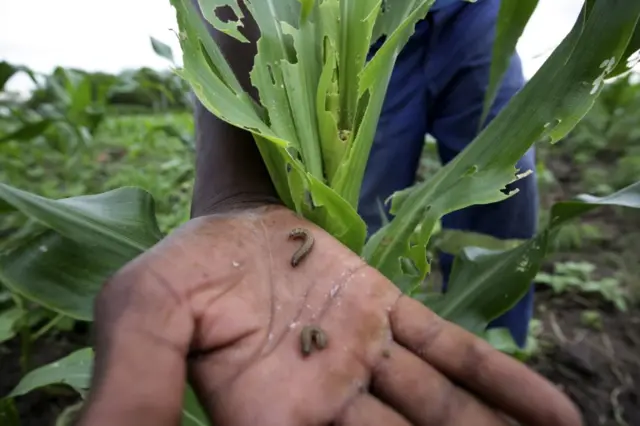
pixel 229 170
pixel 218 302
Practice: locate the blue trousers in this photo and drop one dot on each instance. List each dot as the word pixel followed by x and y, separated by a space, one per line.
pixel 438 87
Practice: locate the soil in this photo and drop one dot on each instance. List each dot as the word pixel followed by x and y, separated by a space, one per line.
pixel 598 369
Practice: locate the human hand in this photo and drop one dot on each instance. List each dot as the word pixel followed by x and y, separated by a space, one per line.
pixel 218 301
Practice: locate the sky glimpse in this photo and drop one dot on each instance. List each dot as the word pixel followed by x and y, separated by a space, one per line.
pixel 113 35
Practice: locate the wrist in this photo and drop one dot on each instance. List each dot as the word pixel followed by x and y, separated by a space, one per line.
pixel 234 202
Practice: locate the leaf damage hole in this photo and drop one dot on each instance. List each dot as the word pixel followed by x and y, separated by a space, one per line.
pixel 361 110
pixel 471 171
pixel 290 49
pixel 271 76
pixel 308 199
pixel 552 124
pixel 226 14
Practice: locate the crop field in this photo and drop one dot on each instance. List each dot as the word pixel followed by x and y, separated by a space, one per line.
pixel 84 133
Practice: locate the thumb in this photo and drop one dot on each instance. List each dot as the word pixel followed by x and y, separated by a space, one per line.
pixel 142 339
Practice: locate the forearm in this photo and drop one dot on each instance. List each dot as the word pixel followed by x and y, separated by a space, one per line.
pixel 229 170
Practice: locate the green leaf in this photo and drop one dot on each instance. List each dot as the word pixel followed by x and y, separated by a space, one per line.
pixel 548 107
pixel 299 58
pixel 512 18
pixel 9 415
pixel 286 83
pixel 337 216
pixel 500 339
pixel 73 370
pixel 171 130
pixel 357 21
pixel 162 49
pixel 27 131
pixel 80 94
pixel 452 241
pixel 192 412
pixel 8 321
pixel 59 273
pixel 70 414
pixel 486 283
pixel 307 6
pixel 372 85
pixel 211 77
pixel 286 70
pixel 631 56
pixel 6 72
pixel 121 220
pixel 216 86
pixel 90 238
pixel 231 26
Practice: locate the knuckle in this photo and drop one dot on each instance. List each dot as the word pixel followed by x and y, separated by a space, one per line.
pixel 445 411
pixel 430 334
pixel 475 359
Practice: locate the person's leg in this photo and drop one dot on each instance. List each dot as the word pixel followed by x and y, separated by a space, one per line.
pixel 399 139
pixel 458 75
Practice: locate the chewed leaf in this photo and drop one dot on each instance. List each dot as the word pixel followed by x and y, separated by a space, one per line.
pixel 211 78
pixel 357 19
pixel 231 13
pixel 333 146
pixel 486 283
pixel 392 14
pixel 384 246
pixel 301 81
pixel 372 82
pixel 548 107
pixel 452 241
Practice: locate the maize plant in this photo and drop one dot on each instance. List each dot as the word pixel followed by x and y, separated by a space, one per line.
pixel 320 97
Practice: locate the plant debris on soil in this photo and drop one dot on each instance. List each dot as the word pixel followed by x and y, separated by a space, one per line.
pixel 598 369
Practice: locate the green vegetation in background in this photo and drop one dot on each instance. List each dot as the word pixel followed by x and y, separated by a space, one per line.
pixel 52 231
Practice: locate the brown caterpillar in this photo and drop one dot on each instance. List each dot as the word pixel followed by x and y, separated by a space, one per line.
pixel 305 248
pixel 311 336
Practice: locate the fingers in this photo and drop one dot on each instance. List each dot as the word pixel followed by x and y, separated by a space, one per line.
pixel 497 378
pixel 424 396
pixel 366 410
